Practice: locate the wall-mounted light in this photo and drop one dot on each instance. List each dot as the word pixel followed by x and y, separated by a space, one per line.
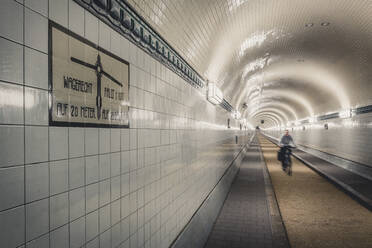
pixel 236 114
pixel 312 119
pixel 345 113
pixel 214 95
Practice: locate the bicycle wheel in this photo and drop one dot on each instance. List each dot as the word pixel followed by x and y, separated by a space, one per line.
pixel 290 168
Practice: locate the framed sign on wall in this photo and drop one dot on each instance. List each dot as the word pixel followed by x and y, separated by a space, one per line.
pixel 88 86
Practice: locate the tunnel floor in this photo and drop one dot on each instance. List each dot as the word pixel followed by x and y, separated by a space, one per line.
pixel 315 212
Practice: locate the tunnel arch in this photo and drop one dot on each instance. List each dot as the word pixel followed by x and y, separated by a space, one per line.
pixel 267 115
pixel 267 102
pixel 273 112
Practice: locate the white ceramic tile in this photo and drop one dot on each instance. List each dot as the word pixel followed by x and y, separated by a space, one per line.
pixel 91 225
pixel 11 63
pixel 77 233
pixel 76 142
pixel 91 27
pixel 36 144
pixel 115 164
pixel 133 160
pixel 115 188
pixel 40 6
pixel 124 140
pixel 124 48
pixel 41 242
pixel 76 172
pixel 76 18
pixel 133 53
pixel 115 212
pixel 125 228
pixel 125 184
pixel 58 11
pixel 104 140
pixel 104 218
pixel 93 244
pixel 77 203
pixel 164 137
pixel 36 31
pixel 36 107
pixel 104 166
pixel 11 104
pixel 141 197
pixel 92 193
pixel 125 162
pixel 115 140
pixel 91 169
pixel 116 235
pixel 104 192
pixel 11 222
pixel 91 141
pixel 37 181
pixel 58 143
pixel 105 239
pixel 11 187
pixel 59 238
pixel 133 139
pixel 141 237
pixel 58 176
pixel 58 210
pixel 140 158
pixel 133 71
pixel 36 68
pixel 37 219
pixel 133 225
pixel 115 42
pixel 133 202
pixel 11 20
pixel 104 36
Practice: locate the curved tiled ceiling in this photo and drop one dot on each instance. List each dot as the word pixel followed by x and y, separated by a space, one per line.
pixel 286 59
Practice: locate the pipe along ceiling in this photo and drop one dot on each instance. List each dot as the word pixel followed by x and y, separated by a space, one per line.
pixel 276 60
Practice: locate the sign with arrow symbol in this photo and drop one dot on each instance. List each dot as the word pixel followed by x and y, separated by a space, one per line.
pixel 89 86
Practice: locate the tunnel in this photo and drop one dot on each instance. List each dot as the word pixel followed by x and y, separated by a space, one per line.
pixel 185 124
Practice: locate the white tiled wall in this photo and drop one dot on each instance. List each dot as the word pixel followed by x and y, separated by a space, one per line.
pixel 98 187
pixel 349 138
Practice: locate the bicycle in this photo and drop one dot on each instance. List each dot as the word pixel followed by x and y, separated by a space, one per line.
pixel 287 162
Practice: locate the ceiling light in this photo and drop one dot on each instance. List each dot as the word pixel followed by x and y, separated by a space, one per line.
pixel 324 24
pixel 309 25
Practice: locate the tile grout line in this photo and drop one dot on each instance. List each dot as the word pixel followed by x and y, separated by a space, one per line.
pixel 24 130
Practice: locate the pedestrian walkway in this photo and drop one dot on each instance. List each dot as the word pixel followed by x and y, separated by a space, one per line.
pixel 245 219
pixel 359 187
pixel 316 214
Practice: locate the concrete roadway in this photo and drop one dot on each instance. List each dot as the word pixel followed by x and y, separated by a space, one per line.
pixel 314 211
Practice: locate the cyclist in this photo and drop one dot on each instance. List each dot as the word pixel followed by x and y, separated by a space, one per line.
pixel 286 142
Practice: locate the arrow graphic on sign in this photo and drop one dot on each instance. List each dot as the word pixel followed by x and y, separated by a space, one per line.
pixel 99 72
